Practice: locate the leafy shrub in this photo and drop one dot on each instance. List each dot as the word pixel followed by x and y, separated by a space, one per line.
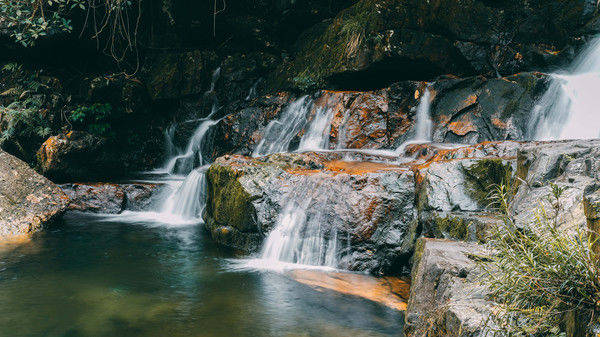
pixel 94 118
pixel 23 125
pixel 31 19
pixel 539 273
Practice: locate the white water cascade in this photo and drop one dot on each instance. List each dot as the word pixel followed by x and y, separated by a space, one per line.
pixel 423 123
pixel 569 108
pixel 302 237
pixel 317 136
pixel 279 133
pixel 192 157
pixel 188 201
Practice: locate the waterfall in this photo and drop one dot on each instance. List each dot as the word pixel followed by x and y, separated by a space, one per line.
pixel 279 133
pixel 192 157
pixel 317 135
pixel 188 201
pixel 568 109
pixel 423 123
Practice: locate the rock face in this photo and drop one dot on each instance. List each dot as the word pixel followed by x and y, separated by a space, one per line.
pixel 445 297
pixel 378 41
pixel 109 198
pixel 467 111
pixel 374 221
pixel 477 109
pixel 28 201
pixel 572 167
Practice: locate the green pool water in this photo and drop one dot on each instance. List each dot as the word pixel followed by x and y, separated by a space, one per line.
pixel 92 276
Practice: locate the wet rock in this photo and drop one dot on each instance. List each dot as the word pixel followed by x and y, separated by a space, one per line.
pixel 389 291
pixel 476 109
pixel 467 111
pixel 109 198
pixel 28 201
pixel 454 184
pixel 445 296
pixel 374 221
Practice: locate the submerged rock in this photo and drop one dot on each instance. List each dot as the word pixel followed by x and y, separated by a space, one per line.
pixel 365 210
pixel 109 198
pixel 28 201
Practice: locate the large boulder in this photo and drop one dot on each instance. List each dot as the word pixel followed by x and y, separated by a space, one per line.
pixel 28 201
pixel 446 298
pixel 373 224
pixel 76 156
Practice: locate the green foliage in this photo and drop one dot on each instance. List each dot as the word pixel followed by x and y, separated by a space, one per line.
pixel 94 118
pixel 23 120
pixel 32 19
pixel 539 274
pixel 484 175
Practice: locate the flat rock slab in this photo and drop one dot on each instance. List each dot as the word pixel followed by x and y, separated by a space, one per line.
pixel 109 198
pixel 390 291
pixel 28 201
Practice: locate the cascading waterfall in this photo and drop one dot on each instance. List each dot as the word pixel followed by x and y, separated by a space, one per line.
pixel 302 236
pixel 423 123
pixel 280 133
pixel 317 135
pixel 188 201
pixel 192 157
pixel 568 109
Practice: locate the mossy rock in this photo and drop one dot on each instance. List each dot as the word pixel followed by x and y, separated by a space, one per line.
pixel 482 178
pixel 229 204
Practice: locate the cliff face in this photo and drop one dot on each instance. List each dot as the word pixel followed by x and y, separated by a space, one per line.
pixel 264 48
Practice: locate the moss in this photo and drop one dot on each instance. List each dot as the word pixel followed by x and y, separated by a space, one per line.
pixel 454 228
pixel 228 202
pixel 340 46
pixel 484 175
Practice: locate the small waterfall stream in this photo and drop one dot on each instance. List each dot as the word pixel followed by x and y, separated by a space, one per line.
pixel 568 109
pixel 423 123
pixel 280 132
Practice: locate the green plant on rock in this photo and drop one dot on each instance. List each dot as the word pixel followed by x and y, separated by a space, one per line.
pixel 93 118
pixel 539 274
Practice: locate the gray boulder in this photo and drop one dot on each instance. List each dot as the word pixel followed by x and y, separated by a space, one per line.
pixel 28 201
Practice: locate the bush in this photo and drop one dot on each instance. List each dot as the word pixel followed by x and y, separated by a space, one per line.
pixel 540 274
pixel 94 118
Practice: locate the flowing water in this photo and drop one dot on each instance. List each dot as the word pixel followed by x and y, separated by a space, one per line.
pixel 280 132
pixel 96 277
pixel 568 109
pixel 302 236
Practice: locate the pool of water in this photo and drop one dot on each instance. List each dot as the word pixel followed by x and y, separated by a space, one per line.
pixel 95 276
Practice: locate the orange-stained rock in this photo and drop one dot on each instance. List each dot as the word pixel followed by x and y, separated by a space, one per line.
pixel 389 291
pixel 76 156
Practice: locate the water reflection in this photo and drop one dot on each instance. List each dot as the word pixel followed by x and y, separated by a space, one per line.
pixel 94 277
